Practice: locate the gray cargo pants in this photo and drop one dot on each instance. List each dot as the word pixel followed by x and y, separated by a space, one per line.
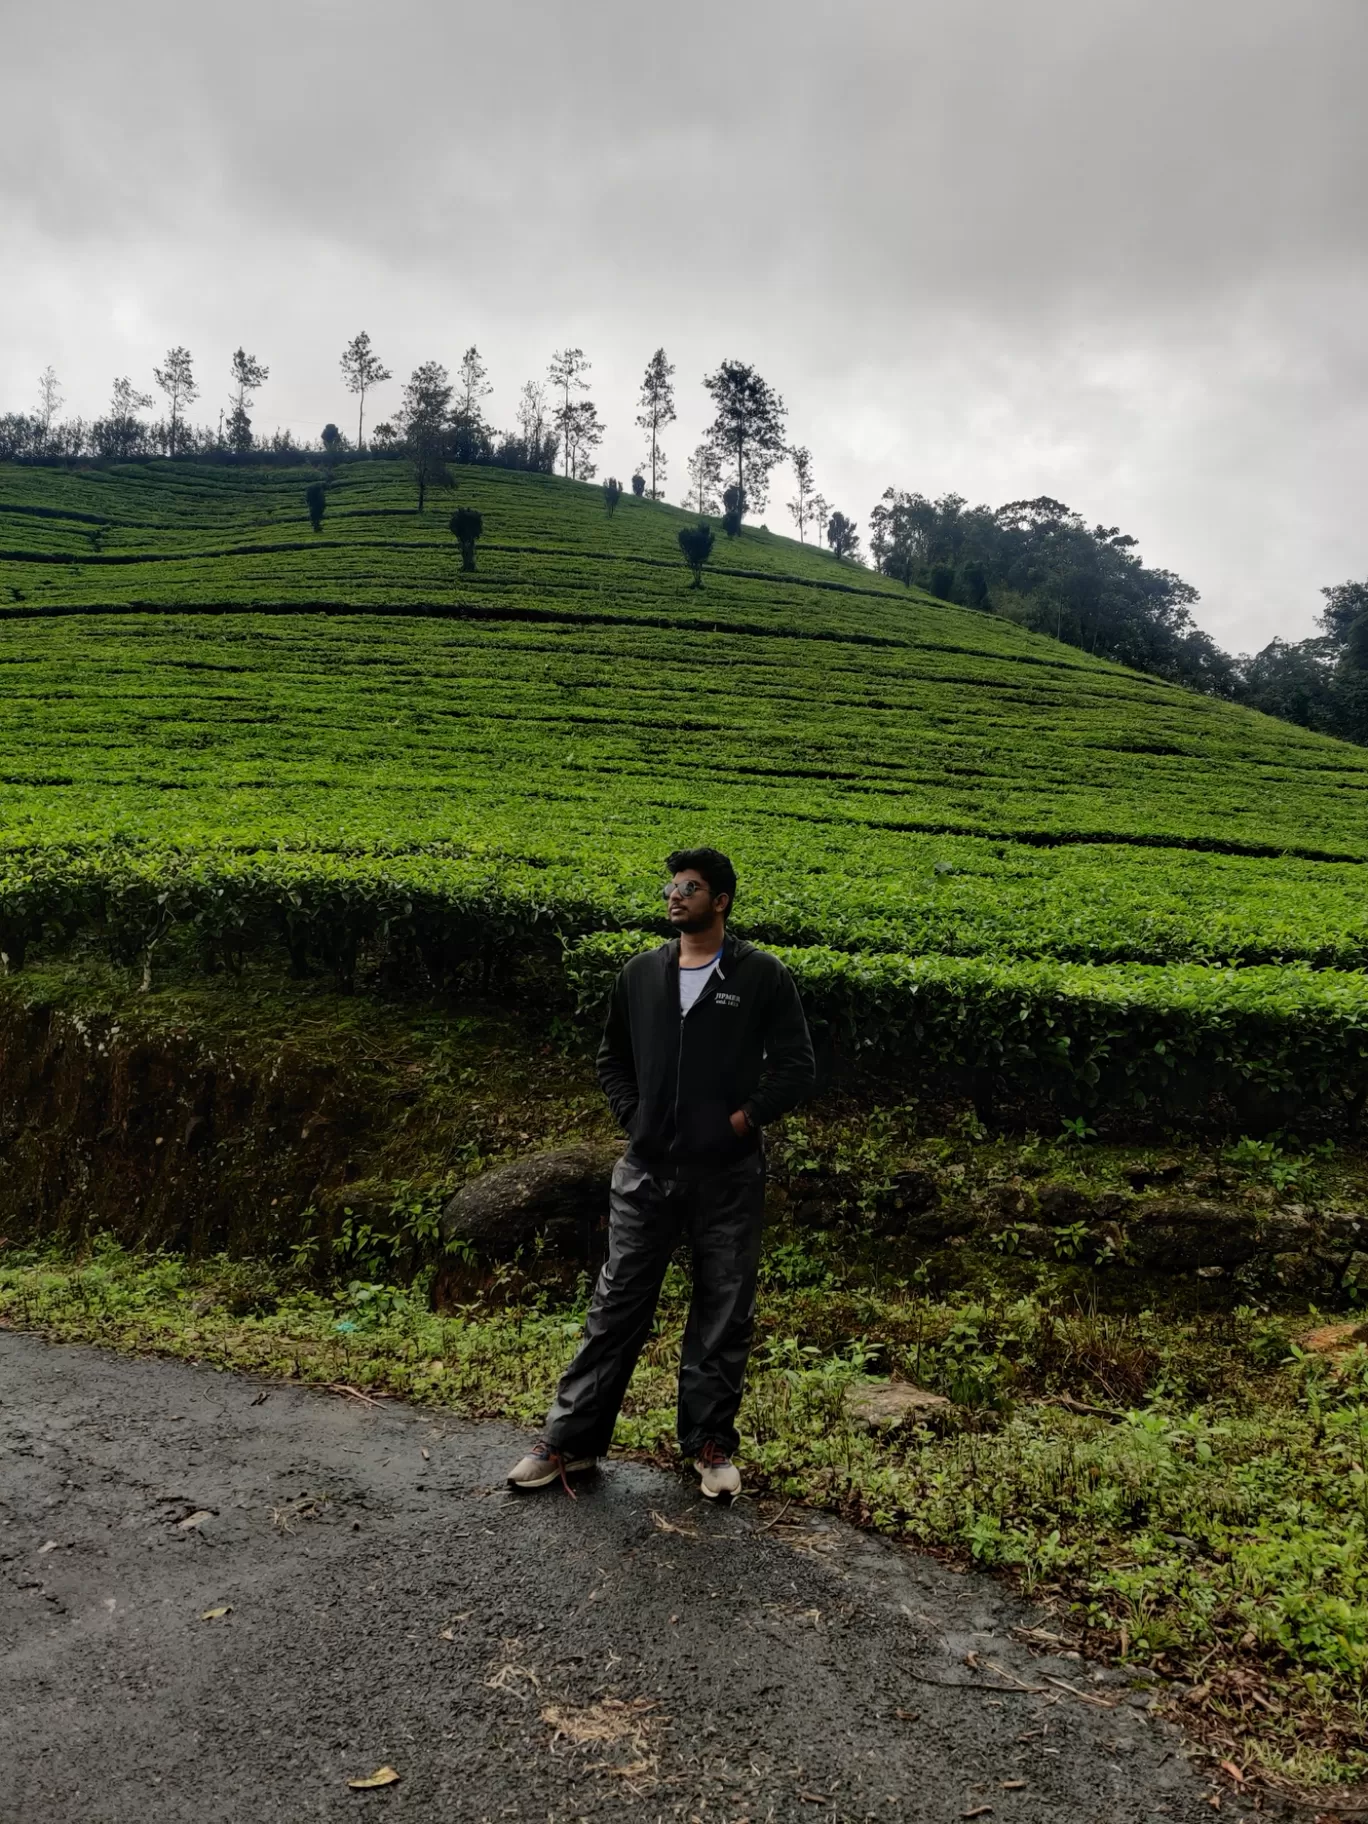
pixel 720 1216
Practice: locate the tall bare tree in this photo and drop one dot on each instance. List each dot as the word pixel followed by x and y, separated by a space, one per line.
pixel 123 429
pixel 705 480
pixel 800 507
pixel 49 397
pixel 248 376
pixel 471 385
pixel 657 410
pixel 583 434
pixel 362 369
pixel 423 414
pixel 177 380
pixel 569 373
pixel 748 431
pixel 532 414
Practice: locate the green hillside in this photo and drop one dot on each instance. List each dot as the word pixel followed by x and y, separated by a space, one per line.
pixel 215 718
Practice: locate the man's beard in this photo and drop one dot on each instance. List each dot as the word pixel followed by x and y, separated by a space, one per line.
pixel 694 921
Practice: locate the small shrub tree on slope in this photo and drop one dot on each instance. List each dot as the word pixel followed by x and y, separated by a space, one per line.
pixel 316 500
pixel 612 494
pixel 696 542
pixel 466 526
pixel 842 535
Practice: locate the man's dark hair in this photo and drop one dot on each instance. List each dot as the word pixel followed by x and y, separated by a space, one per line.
pixel 712 864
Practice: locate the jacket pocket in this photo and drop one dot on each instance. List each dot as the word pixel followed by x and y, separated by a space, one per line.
pixel 705 1127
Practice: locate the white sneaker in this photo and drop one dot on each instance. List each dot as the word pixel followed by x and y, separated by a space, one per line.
pixel 719 1474
pixel 542 1466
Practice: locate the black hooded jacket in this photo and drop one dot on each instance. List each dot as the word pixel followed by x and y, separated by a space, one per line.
pixel 675 1081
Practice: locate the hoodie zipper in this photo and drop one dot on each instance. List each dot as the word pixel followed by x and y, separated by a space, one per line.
pixel 679 1056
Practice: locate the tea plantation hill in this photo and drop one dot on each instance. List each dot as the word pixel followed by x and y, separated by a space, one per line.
pixel 986 850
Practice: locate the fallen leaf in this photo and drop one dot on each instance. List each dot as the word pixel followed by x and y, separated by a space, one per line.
pixel 979 1811
pixel 51 1546
pixel 1234 1772
pixel 1013 1785
pixel 196 1519
pixel 215 1614
pixel 383 1776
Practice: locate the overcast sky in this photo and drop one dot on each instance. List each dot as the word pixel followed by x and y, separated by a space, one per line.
pixel 1110 250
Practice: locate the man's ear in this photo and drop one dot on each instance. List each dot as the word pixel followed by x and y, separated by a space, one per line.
pixel 722 901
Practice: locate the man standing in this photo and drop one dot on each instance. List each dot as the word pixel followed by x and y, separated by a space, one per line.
pixel 705 1043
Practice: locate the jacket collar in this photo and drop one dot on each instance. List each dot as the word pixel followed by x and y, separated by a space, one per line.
pixel 733 949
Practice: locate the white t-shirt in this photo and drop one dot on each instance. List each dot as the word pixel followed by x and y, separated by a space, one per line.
pixel 693 981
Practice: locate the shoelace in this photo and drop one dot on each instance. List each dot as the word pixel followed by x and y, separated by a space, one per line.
pixel 545 1452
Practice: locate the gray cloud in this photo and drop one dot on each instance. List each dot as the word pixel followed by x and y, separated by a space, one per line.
pixel 1114 253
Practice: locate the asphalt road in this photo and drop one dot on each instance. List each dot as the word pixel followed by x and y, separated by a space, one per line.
pixel 634 1653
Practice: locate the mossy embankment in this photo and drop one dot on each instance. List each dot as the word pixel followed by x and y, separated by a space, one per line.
pixel 249 1114
pixel 256 1114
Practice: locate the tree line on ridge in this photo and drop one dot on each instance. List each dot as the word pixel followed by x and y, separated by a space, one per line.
pixel 1035 561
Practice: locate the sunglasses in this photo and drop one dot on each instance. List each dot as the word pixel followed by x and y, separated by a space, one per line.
pixel 687 891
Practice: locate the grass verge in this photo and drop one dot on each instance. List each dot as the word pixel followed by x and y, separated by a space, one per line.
pixel 1204 1520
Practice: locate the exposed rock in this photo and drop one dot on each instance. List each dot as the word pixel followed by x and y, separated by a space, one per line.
pixel 1010 1201
pixel 1033 1238
pixel 913 1190
pixel 558 1198
pixel 1063 1203
pixel 1345 1225
pixel 880 1403
pixel 909 1207
pixel 1285 1231
pixel 561 1196
pixel 1114 1205
pixel 1160 1171
pixel 1179 1234
pixel 1305 1272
